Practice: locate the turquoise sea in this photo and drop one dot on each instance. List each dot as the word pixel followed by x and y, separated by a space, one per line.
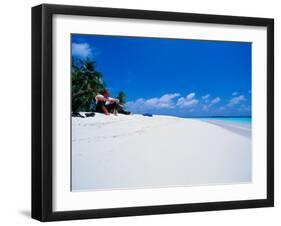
pixel 239 125
pixel 246 120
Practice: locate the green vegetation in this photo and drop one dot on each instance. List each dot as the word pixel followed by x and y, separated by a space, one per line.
pixel 87 82
pixel 121 97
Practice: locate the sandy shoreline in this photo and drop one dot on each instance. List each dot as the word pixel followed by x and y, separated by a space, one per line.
pixel 128 152
pixel 242 129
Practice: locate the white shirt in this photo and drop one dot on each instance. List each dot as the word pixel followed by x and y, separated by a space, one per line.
pixel 99 95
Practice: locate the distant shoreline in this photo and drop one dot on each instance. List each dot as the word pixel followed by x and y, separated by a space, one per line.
pixel 220 117
pixel 191 117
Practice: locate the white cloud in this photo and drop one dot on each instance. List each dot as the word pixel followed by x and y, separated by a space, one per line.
pixel 168 97
pixel 234 93
pixel 188 101
pixel 215 101
pixel 190 96
pixel 82 50
pixel 206 97
pixel 182 102
pixel 163 102
pixel 236 100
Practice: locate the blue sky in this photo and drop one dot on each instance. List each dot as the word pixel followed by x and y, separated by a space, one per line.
pixel 173 77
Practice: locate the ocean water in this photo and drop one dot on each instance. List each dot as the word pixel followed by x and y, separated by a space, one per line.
pixel 239 125
pixel 246 120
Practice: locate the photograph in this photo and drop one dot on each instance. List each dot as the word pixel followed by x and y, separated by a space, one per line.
pixel 156 112
pixel 147 112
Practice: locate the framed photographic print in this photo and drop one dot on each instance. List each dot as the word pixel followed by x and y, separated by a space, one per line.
pixel 145 112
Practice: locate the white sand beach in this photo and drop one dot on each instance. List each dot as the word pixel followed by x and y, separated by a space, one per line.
pixel 134 151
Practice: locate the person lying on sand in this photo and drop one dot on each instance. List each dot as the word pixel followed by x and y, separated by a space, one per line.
pixel 106 104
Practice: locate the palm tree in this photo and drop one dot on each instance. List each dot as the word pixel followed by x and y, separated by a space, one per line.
pixel 121 97
pixel 86 83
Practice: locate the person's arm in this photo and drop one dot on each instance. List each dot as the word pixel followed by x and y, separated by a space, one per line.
pixel 101 98
pixel 113 100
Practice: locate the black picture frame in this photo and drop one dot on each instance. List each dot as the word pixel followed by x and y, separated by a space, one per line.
pixel 42 111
